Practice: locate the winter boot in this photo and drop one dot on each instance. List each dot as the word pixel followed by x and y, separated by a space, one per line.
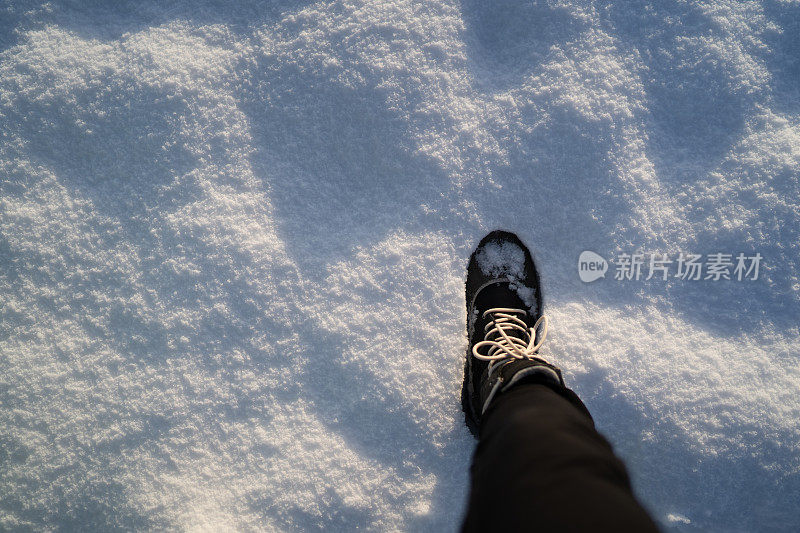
pixel 505 324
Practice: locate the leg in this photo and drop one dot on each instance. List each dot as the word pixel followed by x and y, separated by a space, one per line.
pixel 540 465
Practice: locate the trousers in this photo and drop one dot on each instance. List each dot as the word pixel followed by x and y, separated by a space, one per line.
pixel 540 465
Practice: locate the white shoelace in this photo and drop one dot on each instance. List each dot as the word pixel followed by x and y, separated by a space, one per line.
pixel 503 347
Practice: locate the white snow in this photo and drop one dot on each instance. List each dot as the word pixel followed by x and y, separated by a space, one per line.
pixel 678 518
pixel 506 260
pixel 501 260
pixel 233 240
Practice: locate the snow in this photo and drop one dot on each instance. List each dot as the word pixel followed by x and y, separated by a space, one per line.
pixel 233 241
pixel 506 260
pixel 501 260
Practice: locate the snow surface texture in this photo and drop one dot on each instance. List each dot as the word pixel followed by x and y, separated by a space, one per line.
pixel 502 260
pixel 233 241
pixel 506 260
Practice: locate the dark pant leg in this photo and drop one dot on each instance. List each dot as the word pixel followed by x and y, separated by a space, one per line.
pixel 540 465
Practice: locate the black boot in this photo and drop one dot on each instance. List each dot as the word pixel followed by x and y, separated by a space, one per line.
pixel 505 324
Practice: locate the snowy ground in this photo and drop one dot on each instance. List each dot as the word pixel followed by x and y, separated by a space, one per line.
pixel 233 239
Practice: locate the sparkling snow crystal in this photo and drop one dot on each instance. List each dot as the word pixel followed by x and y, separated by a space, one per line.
pixel 502 259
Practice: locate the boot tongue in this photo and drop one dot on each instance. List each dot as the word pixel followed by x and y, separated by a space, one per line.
pixel 498 294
